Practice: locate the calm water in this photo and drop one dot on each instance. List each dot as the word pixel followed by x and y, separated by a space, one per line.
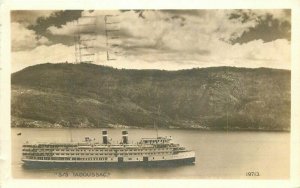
pixel 218 154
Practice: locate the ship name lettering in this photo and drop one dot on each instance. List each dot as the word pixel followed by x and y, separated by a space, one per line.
pixel 91 174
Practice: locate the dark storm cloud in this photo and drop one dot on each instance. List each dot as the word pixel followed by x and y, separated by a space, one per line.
pixel 56 19
pixel 28 17
pixel 268 28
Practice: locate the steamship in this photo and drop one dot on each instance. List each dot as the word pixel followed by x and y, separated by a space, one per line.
pixel 148 151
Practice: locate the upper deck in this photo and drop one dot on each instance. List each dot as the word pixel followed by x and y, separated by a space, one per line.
pixel 89 143
pixel 158 148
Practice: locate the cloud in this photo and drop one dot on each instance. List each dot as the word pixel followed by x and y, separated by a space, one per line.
pixel 27 18
pixel 78 23
pixel 175 39
pixel 173 30
pixel 24 39
pixel 57 19
pixel 257 53
pixel 67 29
pixel 270 25
pixel 95 24
pixel 187 32
pixel 39 20
pixel 279 14
pixel 275 54
pixel 42 54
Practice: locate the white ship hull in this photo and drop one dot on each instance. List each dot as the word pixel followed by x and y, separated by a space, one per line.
pixel 149 151
pixel 177 159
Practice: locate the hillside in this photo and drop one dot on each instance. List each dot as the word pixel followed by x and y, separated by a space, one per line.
pixel 87 95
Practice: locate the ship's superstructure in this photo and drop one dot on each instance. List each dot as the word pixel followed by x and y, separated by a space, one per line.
pixel 159 150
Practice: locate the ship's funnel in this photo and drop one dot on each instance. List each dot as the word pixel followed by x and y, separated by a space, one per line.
pixel 124 137
pixel 104 137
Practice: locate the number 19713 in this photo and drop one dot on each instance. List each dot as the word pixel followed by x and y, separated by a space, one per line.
pixel 252 173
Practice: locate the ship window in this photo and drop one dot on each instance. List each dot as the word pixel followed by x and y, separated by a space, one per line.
pixel 129 158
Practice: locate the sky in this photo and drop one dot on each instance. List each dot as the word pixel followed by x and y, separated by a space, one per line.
pixel 154 39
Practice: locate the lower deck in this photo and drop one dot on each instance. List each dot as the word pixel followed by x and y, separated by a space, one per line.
pixel 185 156
pixel 81 164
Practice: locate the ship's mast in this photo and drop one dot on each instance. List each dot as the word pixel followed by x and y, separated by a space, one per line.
pixel 227 116
pixel 156 132
pixel 158 113
pixel 71 134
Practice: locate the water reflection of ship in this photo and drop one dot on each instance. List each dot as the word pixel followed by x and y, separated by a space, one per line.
pixel 148 151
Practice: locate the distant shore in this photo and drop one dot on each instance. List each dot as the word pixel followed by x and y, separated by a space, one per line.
pixel 163 128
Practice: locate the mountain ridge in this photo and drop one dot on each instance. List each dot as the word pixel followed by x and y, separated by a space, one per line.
pixel 88 95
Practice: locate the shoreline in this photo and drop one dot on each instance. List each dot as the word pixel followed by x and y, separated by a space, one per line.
pixel 148 128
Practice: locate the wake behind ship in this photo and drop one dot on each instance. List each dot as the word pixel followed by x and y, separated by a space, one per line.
pixel 148 152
